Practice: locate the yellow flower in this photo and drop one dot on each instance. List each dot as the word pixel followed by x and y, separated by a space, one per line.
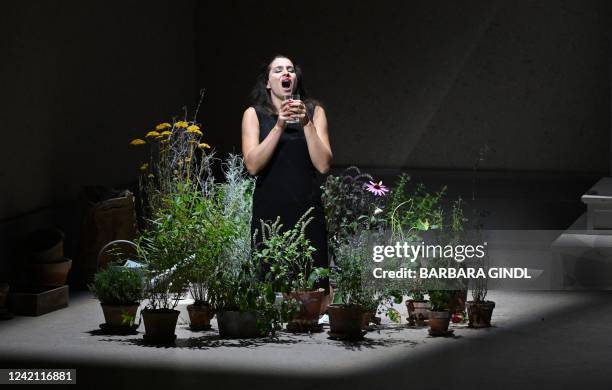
pixel 163 126
pixel 144 167
pixel 204 146
pixel 166 133
pixel 195 131
pixel 150 175
pixel 152 134
pixel 137 142
pixel 165 141
pixel 193 128
pixel 181 124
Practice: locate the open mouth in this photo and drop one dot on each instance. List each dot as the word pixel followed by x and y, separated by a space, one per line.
pixel 286 83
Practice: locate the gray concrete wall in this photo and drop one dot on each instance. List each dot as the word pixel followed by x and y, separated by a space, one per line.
pixel 407 85
pixel 79 81
pixel 426 84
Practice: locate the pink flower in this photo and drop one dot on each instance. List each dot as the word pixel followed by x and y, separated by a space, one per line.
pixel 377 189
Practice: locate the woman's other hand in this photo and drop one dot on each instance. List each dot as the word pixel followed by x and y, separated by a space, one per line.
pixel 285 114
pixel 298 112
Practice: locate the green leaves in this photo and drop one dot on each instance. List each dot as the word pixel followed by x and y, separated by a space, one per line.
pixel 127 319
pixel 117 285
pixel 288 254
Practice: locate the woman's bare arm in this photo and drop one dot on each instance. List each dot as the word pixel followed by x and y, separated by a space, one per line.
pixel 317 139
pixel 256 154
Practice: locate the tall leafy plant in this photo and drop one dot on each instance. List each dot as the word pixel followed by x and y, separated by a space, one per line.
pixel 175 186
pixel 349 206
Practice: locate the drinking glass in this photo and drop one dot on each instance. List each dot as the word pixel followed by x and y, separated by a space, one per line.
pixel 292 97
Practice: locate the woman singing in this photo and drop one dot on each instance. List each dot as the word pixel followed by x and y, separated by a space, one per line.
pixel 286 157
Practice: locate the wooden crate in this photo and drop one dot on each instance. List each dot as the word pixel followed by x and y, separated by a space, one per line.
pixel 38 300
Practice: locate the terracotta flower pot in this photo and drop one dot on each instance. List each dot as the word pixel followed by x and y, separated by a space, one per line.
pixel 480 314
pixel 114 314
pixel 237 325
pixel 200 316
pixel 45 245
pixel 4 290
pixel 438 322
pixel 418 311
pixel 49 273
pixel 160 325
pixel 310 307
pixel 346 320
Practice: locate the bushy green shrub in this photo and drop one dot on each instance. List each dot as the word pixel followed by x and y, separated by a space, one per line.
pixel 118 285
pixel 439 299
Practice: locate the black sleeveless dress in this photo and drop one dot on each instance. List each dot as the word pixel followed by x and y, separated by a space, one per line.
pixel 287 187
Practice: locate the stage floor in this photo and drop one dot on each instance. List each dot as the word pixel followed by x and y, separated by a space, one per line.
pixel 540 339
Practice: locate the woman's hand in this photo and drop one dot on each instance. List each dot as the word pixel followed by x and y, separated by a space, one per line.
pixel 298 109
pixel 284 115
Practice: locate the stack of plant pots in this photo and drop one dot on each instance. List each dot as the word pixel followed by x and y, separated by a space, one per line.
pixel 44 287
pixel 48 266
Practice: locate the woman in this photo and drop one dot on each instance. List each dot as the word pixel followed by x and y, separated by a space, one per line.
pixel 286 157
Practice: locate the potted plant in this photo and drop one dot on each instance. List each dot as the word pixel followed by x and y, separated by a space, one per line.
pixel 245 305
pixel 119 290
pixel 479 309
pixel 354 203
pixel 285 261
pixel 415 216
pixel 347 312
pixel 212 235
pixel 200 311
pixel 161 248
pixel 439 315
pixel 247 309
pixel 174 186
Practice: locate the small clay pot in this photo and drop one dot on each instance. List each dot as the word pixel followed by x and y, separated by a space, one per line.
pixel 114 314
pixel 200 316
pixel 439 321
pixel 418 311
pixel 45 245
pixel 237 325
pixel 160 325
pixel 480 313
pixel 346 320
pixel 4 290
pixel 54 273
pixel 310 307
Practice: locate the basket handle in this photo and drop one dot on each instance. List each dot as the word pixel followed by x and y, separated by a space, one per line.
pixel 105 247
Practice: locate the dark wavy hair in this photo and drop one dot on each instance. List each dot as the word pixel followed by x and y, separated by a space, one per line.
pixel 260 96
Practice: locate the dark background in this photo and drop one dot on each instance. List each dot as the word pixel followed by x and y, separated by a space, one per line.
pixel 416 86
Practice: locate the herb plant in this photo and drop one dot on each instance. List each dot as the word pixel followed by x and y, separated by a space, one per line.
pixel 115 285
